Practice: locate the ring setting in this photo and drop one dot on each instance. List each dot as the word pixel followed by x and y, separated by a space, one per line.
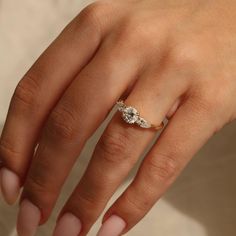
pixel 131 116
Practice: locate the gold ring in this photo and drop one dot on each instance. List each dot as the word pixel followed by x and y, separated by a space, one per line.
pixel 131 116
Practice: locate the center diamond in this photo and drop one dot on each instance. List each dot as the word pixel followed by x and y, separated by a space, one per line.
pixel 130 115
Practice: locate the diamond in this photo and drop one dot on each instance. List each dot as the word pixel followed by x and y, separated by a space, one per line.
pixel 143 123
pixel 130 115
pixel 121 106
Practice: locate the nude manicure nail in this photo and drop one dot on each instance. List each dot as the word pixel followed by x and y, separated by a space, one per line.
pixel 28 219
pixel 113 226
pixel 69 224
pixel 10 185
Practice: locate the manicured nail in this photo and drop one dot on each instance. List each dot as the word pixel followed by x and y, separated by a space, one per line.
pixel 68 225
pixel 28 219
pixel 113 226
pixel 10 185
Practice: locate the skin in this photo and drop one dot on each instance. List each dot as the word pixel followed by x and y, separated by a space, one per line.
pixel 167 58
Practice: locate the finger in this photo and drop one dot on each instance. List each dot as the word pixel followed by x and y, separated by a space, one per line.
pixel 117 151
pixel 78 114
pixel 188 130
pixel 40 90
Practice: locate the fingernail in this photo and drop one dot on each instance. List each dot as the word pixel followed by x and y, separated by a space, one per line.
pixel 28 219
pixel 113 226
pixel 68 225
pixel 10 185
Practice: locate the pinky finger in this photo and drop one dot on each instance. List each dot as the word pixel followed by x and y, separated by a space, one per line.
pixel 160 168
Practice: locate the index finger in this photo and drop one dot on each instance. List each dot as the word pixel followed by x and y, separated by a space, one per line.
pixel 38 92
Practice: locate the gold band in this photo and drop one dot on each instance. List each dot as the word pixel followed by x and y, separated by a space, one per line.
pixel 158 127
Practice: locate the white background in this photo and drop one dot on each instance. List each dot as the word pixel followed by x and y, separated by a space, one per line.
pixel 203 200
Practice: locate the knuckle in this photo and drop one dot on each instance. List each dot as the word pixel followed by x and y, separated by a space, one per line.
pixel 205 100
pixel 60 124
pixel 86 200
pixel 40 185
pixel 26 92
pixel 186 55
pixel 138 37
pixel 86 204
pixel 38 191
pixel 138 205
pixel 133 33
pixel 35 184
pixel 8 153
pixel 94 14
pixel 130 28
pixel 112 146
pixel 163 167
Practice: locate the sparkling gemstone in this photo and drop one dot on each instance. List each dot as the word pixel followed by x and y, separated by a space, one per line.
pixel 121 106
pixel 143 123
pixel 130 115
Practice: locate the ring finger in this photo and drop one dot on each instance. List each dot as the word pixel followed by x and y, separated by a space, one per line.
pixel 118 149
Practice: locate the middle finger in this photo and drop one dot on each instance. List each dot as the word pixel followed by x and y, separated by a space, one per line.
pixel 77 115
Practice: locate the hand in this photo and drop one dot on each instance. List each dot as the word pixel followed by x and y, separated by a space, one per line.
pixel 173 59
